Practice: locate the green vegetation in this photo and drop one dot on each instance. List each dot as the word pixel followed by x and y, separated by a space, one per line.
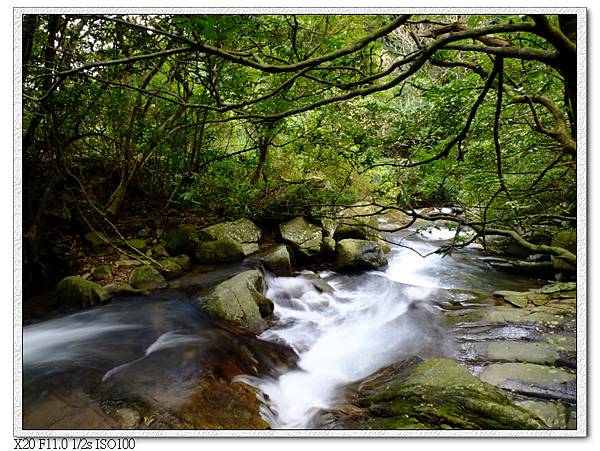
pixel 271 116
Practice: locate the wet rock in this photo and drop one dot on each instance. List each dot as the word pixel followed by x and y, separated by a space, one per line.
pixel 435 394
pixel 128 418
pixel 359 254
pixel 75 290
pixel 239 299
pixel 182 240
pixel 146 278
pixel 358 222
pixel 224 250
pixel 517 301
pixel 121 288
pixel 529 352
pixel 553 414
pixel 101 272
pixel 304 237
pixel 218 404
pixel 532 380
pixel 277 261
pixel 243 231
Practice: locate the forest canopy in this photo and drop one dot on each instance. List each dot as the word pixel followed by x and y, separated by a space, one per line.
pixel 267 116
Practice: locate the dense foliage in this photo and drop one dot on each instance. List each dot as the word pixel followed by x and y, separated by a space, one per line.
pixel 264 116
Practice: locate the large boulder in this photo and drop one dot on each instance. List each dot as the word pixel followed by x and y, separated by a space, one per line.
pixel 239 299
pixel 306 238
pixel 182 240
pixel 435 394
pixel 77 291
pixel 359 254
pixel 566 239
pixel 224 250
pixel 277 260
pixel 146 278
pixel 243 230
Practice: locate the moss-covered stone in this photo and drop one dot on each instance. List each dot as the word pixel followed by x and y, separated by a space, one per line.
pixel 305 238
pixel 121 288
pixel 277 261
pixel 242 230
pixel 566 239
pixel 97 240
pixel 146 278
pixel 137 243
pixel 435 394
pixel 75 290
pixel 170 267
pixel 238 299
pixel 550 412
pixel 219 251
pixel 329 245
pixel 359 254
pixel 182 240
pixel 101 272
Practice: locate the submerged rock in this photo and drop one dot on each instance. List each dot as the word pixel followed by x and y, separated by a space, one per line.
pixel 239 299
pixel 75 290
pixel 435 394
pixel 146 278
pixel 359 254
pixel 303 236
pixel 182 240
pixel 224 250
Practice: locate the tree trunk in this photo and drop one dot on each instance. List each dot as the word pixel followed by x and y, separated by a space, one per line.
pixel 264 149
pixel 118 196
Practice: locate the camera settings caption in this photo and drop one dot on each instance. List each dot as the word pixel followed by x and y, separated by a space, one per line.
pixel 75 443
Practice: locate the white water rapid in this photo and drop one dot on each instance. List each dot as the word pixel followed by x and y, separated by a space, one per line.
pixel 365 323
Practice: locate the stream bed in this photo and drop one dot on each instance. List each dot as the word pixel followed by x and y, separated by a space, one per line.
pixel 159 361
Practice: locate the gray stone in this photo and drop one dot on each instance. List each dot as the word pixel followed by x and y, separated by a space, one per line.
pixel 239 299
pixel 242 230
pixel 225 250
pixel 304 237
pixel 277 261
pixel 359 254
pixel 528 352
pixel 551 413
pixel 567 239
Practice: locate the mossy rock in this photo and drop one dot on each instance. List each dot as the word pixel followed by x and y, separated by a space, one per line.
pixel 225 250
pixel 101 272
pixel 435 394
pixel 122 288
pixel 239 299
pixel 170 267
pixel 304 237
pixel 182 240
pixel 243 230
pixel 277 261
pixel 567 239
pixel 146 278
pixel 75 290
pixel 359 254
pixel 98 241
pixel 137 243
pixel 329 245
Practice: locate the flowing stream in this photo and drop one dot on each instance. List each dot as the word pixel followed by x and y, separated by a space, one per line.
pixel 364 322
pixel 342 327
